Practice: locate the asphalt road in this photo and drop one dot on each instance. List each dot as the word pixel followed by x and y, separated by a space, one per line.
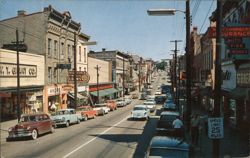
pixel 110 136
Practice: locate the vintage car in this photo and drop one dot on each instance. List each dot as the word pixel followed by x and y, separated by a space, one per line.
pixel 101 109
pixel 158 92
pixel 31 125
pixel 66 117
pixel 169 106
pixel 134 96
pixel 151 105
pixel 165 123
pixel 140 112
pixel 127 100
pixel 87 112
pixel 120 102
pixel 161 146
pixel 111 104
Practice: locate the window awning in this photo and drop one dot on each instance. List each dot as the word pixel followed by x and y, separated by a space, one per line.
pixel 238 93
pixel 104 92
pixel 79 96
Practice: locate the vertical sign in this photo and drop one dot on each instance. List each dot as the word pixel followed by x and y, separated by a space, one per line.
pixel 215 128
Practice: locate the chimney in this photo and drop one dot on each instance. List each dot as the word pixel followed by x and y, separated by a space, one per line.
pixel 103 50
pixel 21 13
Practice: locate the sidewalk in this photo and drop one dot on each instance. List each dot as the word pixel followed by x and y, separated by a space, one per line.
pixel 232 145
pixel 4 129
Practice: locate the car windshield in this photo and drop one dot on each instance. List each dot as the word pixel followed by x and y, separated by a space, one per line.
pixel 139 108
pixel 148 103
pixel 168 153
pixel 62 112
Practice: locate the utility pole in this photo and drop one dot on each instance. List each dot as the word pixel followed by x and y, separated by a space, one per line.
pixel 97 82
pixel 18 78
pixel 175 70
pixel 217 85
pixel 75 71
pixel 188 67
pixel 123 77
pixel 139 76
pixel 179 83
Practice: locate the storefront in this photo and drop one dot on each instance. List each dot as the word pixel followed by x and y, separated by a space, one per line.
pixel 82 95
pixel 241 96
pixel 105 92
pixel 31 83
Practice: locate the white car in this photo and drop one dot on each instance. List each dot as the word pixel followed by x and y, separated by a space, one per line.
pixel 151 105
pixel 151 97
pixel 120 102
pixel 158 92
pixel 101 109
pixel 140 112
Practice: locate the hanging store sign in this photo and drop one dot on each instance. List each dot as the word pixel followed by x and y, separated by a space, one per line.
pixel 54 91
pixel 236 46
pixel 10 70
pixel 81 76
pixel 232 31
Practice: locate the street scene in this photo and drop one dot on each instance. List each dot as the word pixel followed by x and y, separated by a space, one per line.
pixel 129 79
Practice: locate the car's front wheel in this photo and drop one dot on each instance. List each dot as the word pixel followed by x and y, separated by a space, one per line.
pixel 67 124
pixel 34 134
pixel 52 129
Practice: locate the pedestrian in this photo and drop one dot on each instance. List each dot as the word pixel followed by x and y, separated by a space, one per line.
pixel 178 126
pixel 195 123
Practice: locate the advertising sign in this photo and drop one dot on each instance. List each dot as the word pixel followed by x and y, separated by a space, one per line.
pixel 10 70
pixel 231 31
pixel 215 128
pixel 81 76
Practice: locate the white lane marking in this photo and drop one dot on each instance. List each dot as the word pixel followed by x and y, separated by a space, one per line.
pixel 95 138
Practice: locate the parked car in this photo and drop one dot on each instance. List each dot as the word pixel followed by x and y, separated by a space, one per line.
pixel 169 106
pixel 158 92
pixel 135 96
pixel 111 104
pixel 143 96
pixel 87 112
pixel 31 125
pixel 120 102
pixel 101 109
pixel 66 117
pixel 165 123
pixel 151 97
pixel 161 146
pixel 140 112
pixel 160 99
pixel 150 105
pixel 128 100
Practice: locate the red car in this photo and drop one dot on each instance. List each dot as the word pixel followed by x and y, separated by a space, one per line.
pixel 31 125
pixel 112 105
pixel 88 112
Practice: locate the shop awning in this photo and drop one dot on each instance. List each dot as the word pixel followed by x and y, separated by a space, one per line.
pixel 104 92
pixel 79 96
pixel 238 93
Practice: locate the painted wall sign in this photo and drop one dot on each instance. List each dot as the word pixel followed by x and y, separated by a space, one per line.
pixel 10 70
pixel 54 91
pixel 238 31
pixel 100 87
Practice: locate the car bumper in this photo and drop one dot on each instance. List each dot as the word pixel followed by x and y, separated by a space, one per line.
pixel 19 134
pixel 59 122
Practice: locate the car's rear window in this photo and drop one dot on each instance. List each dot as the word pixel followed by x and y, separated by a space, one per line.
pixel 138 108
pixel 169 118
pixel 168 153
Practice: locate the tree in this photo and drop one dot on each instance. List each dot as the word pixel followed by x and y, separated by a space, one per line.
pixel 161 65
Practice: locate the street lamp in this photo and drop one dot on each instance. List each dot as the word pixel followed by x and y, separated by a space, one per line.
pixel 166 12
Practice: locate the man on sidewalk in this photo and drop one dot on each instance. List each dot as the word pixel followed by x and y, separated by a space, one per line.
pixel 178 126
pixel 195 123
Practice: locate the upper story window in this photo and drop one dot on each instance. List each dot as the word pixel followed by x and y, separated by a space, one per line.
pixel 55 48
pixel 62 50
pixel 80 69
pixel 69 51
pixel 80 54
pixel 49 74
pixel 85 55
pixel 49 47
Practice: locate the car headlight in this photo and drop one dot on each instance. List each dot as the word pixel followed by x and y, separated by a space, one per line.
pixel 28 128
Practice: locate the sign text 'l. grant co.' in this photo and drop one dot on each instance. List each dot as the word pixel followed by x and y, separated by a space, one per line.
pixel 10 70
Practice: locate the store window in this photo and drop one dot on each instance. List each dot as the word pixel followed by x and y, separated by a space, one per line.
pixel 62 51
pixel 69 51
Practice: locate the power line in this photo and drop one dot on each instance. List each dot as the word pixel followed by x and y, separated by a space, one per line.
pixel 206 16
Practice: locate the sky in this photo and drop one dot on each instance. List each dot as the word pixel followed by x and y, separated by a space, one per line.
pixel 124 25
